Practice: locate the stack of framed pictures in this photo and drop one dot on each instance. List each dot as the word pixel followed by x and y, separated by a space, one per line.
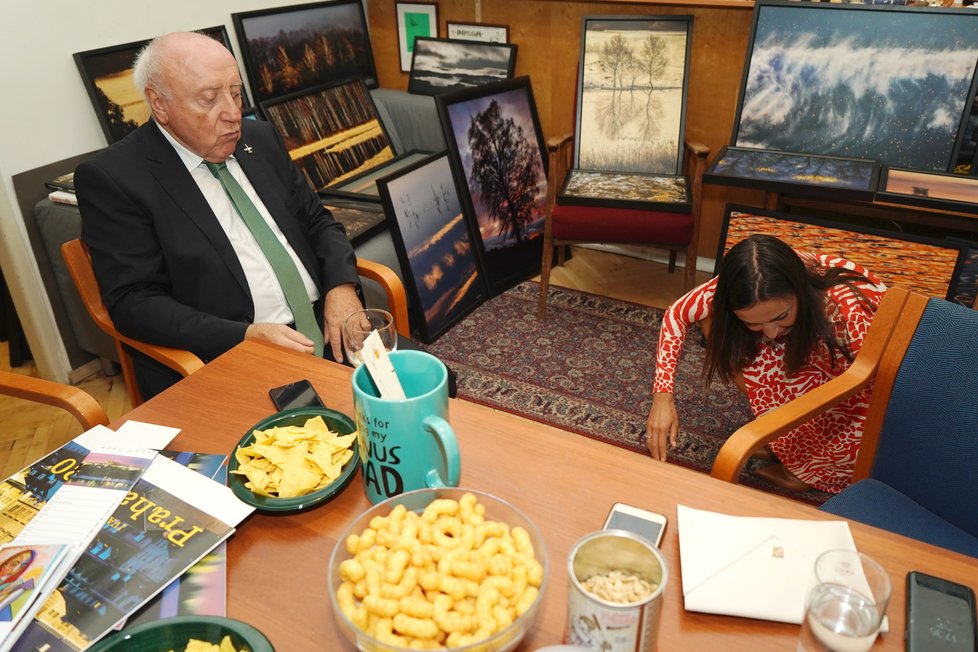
pixel 630 122
pixel 298 47
pixel 332 132
pixel 439 65
pixel 363 186
pixel 107 75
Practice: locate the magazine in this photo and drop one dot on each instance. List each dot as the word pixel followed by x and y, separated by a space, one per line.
pixel 27 575
pixel 170 519
pixel 65 182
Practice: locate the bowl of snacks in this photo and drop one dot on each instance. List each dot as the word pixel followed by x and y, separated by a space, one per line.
pixel 187 634
pixel 294 459
pixel 455 568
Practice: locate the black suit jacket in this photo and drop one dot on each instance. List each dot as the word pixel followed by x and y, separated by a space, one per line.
pixel 166 270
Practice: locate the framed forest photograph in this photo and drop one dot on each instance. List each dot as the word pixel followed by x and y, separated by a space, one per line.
pixel 631 86
pixel 433 243
pixel 414 19
pixel 801 92
pixel 929 266
pixel 498 156
pixel 289 49
pixel 800 174
pixel 363 186
pixel 332 132
pixel 442 64
pixel 107 75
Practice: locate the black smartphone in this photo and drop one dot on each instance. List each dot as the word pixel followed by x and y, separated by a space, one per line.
pixel 295 395
pixel 940 615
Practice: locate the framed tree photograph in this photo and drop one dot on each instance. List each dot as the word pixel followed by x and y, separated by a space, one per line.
pixel 363 186
pixel 441 64
pixel 632 80
pixel 799 174
pixel 332 132
pixel 498 156
pixel 293 48
pixel 107 75
pixel 949 192
pixel 486 32
pixel 925 265
pixel 414 19
pixel 433 243
pixel 626 190
pixel 800 91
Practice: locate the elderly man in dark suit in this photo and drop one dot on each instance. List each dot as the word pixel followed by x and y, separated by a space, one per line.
pixel 177 262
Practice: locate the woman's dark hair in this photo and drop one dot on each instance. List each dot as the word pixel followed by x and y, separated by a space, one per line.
pixel 760 268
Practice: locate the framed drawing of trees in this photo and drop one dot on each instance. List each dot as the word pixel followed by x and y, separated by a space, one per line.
pixel 631 87
pixel 498 153
pixel 836 79
pixel 433 243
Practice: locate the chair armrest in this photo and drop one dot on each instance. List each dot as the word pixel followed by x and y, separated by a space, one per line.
pixel 697 149
pixel 393 288
pixel 79 403
pixel 738 448
pixel 556 142
pixel 180 360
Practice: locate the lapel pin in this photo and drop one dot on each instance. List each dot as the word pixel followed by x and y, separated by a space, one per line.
pixel 248 149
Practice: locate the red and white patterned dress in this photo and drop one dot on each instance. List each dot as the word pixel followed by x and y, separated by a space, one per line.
pixel 821 452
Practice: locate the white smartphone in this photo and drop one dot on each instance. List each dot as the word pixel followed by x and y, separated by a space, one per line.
pixel 634 519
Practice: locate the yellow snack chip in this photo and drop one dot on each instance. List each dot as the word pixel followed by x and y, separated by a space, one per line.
pixel 196 645
pixel 292 461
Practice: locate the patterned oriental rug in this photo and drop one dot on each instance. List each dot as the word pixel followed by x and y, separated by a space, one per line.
pixel 588 369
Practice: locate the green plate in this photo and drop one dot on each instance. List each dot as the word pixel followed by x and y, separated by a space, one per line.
pixel 337 421
pixel 173 634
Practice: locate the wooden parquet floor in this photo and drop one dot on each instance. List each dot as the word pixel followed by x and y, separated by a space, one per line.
pixel 29 430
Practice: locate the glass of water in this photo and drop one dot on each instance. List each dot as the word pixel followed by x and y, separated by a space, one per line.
pixel 359 325
pixel 847 603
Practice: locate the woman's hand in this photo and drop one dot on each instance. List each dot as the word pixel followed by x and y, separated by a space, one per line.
pixel 663 425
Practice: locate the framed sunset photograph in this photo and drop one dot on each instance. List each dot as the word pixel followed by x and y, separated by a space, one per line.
pixel 433 243
pixel 289 49
pixel 950 192
pixel 498 155
pixel 332 132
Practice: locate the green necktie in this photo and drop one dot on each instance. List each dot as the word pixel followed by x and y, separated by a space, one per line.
pixel 278 257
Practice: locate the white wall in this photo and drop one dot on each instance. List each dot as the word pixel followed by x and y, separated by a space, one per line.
pixel 46 116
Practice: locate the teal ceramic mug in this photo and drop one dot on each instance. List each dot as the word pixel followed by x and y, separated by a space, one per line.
pixel 406 444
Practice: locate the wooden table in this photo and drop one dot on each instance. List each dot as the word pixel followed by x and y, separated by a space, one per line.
pixel 564 482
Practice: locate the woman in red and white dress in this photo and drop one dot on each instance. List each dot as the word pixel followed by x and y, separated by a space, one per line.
pixel 778 323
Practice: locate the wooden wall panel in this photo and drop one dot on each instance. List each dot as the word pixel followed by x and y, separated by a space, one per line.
pixel 548 35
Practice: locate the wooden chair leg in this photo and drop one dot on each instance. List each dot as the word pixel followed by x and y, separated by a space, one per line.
pixel 545 265
pixel 673 254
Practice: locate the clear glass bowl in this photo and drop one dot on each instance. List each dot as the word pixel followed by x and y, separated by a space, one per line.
pixel 497 509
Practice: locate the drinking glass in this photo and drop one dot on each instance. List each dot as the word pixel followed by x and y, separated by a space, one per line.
pixel 847 603
pixel 360 324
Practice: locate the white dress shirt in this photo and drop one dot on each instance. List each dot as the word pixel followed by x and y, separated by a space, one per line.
pixel 266 292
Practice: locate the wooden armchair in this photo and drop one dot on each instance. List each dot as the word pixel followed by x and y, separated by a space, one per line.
pixel 567 225
pixel 79 403
pixel 915 468
pixel 184 362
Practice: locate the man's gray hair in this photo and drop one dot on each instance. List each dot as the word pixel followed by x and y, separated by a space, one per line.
pixel 147 70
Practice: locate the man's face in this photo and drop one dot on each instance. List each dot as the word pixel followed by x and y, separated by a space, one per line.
pixel 201 106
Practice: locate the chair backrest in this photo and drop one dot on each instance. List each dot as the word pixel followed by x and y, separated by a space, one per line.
pixel 928 439
pixel 79 403
pixel 79 265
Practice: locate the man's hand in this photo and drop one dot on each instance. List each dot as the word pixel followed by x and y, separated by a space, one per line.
pixel 341 301
pixel 663 425
pixel 281 334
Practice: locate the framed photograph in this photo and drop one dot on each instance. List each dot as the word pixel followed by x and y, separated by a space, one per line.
pixel 414 19
pixel 332 132
pixel 950 192
pixel 293 48
pixel 363 186
pixel 107 75
pixel 801 92
pixel 631 93
pixel 925 265
pixel 499 158
pixel 442 64
pixel 799 174
pixel 433 244
pixel 361 221
pixel 626 190
pixel 485 32
pixel 964 288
